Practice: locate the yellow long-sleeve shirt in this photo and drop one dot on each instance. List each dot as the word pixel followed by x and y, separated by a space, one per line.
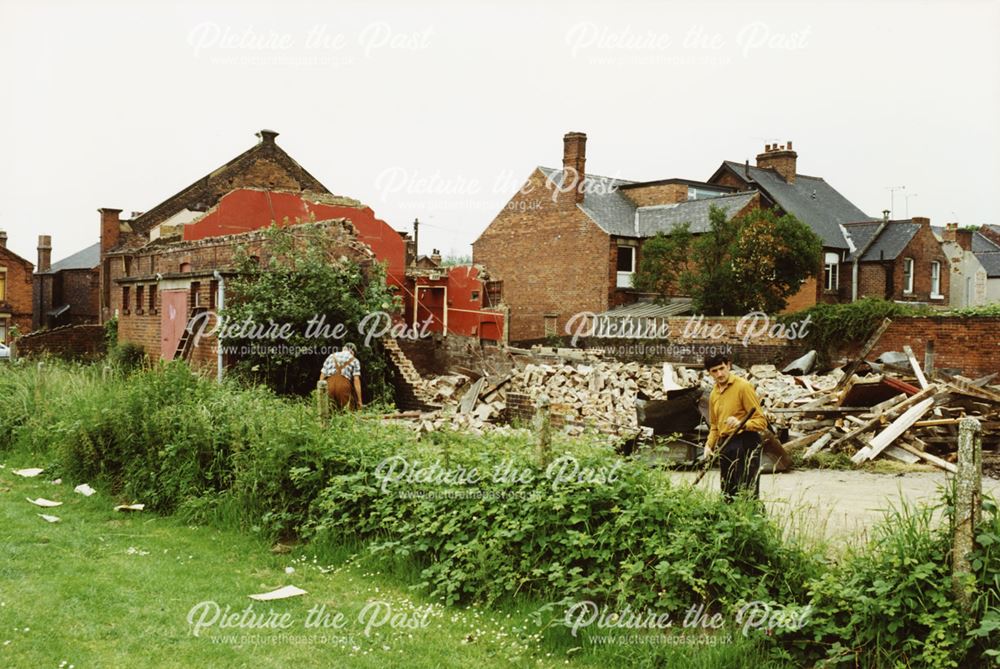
pixel 736 399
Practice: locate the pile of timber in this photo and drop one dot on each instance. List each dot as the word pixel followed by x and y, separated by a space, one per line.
pixel 906 417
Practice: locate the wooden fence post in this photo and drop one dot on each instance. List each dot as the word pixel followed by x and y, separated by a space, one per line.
pixel 543 423
pixel 968 506
pixel 322 401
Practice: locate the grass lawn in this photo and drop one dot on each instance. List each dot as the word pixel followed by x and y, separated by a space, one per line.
pixel 103 588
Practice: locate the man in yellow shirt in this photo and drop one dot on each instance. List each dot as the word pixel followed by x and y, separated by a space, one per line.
pixel 731 400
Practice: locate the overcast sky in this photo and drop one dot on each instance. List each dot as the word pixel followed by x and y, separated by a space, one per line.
pixel 440 110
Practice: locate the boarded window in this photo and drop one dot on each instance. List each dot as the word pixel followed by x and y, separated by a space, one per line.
pixel 550 325
pixel 139 295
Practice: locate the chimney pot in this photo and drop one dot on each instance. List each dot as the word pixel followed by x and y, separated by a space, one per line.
pixel 779 158
pixel 789 145
pixel 3 239
pixel 44 253
pixel 267 136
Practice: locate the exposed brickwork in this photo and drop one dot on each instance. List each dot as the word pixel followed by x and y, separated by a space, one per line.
pixel 189 267
pixel 548 254
pixel 69 341
pixel 781 159
pixel 16 303
pixel 644 196
pixel 886 279
pixel 438 355
pixel 79 288
pixel 968 344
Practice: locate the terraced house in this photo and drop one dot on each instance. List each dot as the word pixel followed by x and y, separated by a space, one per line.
pixel 15 291
pixel 561 248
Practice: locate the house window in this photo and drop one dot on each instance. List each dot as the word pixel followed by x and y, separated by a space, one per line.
pixel 550 325
pixel 127 265
pixel 907 275
pixel 213 291
pixel 936 279
pixel 3 284
pixel 139 294
pixel 126 295
pixel 831 272
pixel 3 330
pixel 152 299
pixel 195 294
pixel 626 266
pixel 475 296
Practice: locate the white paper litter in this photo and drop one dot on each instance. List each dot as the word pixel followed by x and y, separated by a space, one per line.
pixel 51 519
pixel 41 501
pixel 28 473
pixel 57 482
pixel 84 490
pixel 280 593
pixel 130 507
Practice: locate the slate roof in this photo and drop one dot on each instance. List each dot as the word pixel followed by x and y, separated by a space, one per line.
pixel 88 258
pixel 990 262
pixel 603 202
pixel 617 215
pixel 810 199
pixel 664 218
pixel 983 244
pixel 890 242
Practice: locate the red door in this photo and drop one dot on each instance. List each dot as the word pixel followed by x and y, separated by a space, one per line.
pixel 173 320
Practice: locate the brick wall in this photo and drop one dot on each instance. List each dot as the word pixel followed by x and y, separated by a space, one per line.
pixel 69 341
pixel 886 279
pixel 968 344
pixel 438 355
pixel 549 256
pixel 18 287
pixel 645 196
pixel 198 259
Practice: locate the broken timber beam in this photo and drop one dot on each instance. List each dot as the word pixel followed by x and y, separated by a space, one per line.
pixel 933 459
pixel 865 350
pixel 921 379
pixel 901 402
pixel 892 432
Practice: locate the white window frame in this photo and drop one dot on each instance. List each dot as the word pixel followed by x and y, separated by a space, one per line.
pixel 908 275
pixel 831 270
pixel 624 279
pixel 936 280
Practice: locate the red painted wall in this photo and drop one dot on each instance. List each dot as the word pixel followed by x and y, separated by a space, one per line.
pixel 465 314
pixel 245 209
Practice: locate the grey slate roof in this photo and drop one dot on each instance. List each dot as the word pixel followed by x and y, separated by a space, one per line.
pixel 603 202
pixel 990 262
pixel 889 244
pixel 983 244
pixel 618 215
pixel 664 218
pixel 647 309
pixel 810 199
pixel 88 258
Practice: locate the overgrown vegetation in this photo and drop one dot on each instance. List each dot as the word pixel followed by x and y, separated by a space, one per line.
pixel 751 262
pixel 624 535
pixel 305 286
pixel 833 326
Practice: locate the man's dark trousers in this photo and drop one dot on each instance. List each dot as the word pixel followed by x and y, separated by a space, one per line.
pixel 739 465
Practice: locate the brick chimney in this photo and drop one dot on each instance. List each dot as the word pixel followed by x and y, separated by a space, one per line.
pixel 779 158
pixel 3 239
pixel 574 163
pixel 110 228
pixel 44 253
pixel 961 237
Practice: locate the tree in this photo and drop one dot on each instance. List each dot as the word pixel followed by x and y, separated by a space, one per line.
pixel 663 261
pixel 751 262
pixel 306 278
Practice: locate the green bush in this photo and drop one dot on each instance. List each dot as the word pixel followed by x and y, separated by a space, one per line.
pixel 890 604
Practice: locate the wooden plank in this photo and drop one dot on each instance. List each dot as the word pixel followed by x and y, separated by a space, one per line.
pixel 804 440
pixel 818 445
pixel 936 422
pixel 921 379
pixel 966 388
pixel 900 406
pixel 933 459
pixel 865 350
pixel 897 453
pixel 893 431
pixel 471 396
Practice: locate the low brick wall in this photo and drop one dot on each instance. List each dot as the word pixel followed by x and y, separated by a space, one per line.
pixel 68 341
pixel 971 345
pixel 438 355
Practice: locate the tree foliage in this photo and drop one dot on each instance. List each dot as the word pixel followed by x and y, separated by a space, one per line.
pixel 751 262
pixel 306 278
